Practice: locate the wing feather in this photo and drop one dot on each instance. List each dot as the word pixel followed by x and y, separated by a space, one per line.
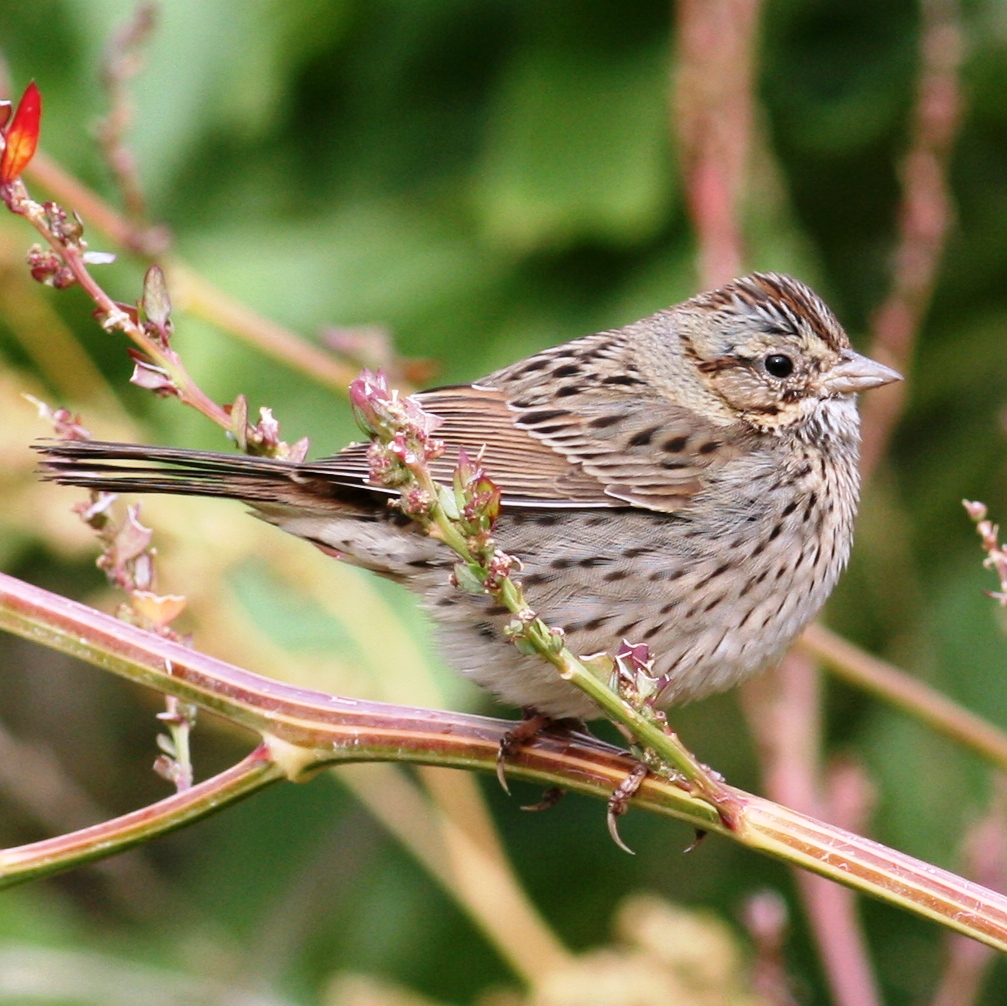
pixel 595 449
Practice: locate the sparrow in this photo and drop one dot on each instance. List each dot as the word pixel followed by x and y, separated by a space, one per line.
pixel 688 481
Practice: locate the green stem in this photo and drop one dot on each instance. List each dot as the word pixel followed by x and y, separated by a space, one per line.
pixel 662 743
pixel 54 855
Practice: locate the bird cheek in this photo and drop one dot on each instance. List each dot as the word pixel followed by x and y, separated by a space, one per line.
pixel 744 390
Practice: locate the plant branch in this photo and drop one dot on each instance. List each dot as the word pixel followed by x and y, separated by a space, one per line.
pixel 713 112
pixel 715 102
pixel 120 62
pixel 909 694
pixel 191 292
pixel 925 214
pixel 67 263
pixel 53 855
pixel 784 713
pixel 305 730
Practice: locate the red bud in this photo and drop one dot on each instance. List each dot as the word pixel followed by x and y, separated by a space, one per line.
pixel 22 135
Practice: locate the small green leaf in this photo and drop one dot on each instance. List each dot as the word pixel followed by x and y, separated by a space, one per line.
pixel 467 579
pixel 449 504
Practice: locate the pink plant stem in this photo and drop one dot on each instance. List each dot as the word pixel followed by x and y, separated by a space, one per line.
pixel 906 693
pixel 924 216
pixel 716 75
pixel 713 120
pixel 784 711
pixel 190 291
pixel 111 315
pixel 968 963
pixel 304 730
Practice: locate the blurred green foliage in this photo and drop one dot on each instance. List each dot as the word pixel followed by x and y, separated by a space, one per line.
pixel 486 178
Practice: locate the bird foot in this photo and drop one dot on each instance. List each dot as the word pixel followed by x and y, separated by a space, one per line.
pixel 532 724
pixel 618 802
pixel 550 798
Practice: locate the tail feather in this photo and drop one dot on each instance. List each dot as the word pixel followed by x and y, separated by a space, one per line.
pixel 93 465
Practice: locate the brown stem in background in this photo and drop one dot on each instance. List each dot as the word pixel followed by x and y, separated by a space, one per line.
pixel 200 297
pixel 783 712
pixel 120 62
pixel 714 113
pixel 189 291
pixel 985 853
pixel 98 214
pixel 713 121
pixel 924 216
pixel 907 693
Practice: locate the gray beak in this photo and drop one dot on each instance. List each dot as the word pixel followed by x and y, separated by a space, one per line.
pixel 856 373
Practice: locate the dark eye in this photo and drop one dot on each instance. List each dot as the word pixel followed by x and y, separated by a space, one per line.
pixel 778 365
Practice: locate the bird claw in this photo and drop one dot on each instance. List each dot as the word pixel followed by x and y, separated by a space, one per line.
pixel 520 734
pixel 550 798
pixel 696 841
pixel 501 766
pixel 618 802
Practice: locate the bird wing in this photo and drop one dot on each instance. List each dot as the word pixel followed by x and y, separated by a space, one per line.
pixel 604 451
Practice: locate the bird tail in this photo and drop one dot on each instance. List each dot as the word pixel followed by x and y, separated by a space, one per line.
pixel 136 468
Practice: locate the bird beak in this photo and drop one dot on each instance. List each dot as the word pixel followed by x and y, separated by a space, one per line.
pixel 857 373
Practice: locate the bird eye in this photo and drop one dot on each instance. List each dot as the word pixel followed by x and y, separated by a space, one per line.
pixel 778 365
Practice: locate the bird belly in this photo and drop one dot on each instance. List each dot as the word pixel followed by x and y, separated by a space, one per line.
pixel 716 598
pixel 714 609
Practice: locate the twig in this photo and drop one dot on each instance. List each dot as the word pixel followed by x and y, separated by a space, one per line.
pixel 924 216
pixel 121 61
pixel 32 776
pixel 906 693
pixel 157 366
pixel 41 859
pixel 191 292
pixel 784 712
pixel 201 298
pixel 713 121
pixel 305 730
pixel 145 241
pixel 66 263
pixel 968 963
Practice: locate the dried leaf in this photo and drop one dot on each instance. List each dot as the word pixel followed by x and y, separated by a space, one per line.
pixel 157 608
pixel 156 302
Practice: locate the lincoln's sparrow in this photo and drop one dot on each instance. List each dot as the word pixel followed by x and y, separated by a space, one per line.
pixel 689 481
